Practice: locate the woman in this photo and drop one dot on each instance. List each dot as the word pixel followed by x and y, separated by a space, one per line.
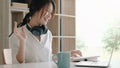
pixel 32 41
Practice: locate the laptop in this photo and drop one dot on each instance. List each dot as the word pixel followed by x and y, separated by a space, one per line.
pixel 103 64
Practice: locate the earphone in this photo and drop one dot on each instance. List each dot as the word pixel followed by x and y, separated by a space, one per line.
pixel 37 30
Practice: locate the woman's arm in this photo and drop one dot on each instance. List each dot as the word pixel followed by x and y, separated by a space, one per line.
pixel 21 35
pixel 21 52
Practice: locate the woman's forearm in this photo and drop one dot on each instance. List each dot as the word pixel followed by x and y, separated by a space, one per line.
pixel 21 52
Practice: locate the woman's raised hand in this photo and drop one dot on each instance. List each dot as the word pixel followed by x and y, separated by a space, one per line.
pixel 20 33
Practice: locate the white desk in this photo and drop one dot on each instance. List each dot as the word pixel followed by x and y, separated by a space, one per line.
pixel 48 65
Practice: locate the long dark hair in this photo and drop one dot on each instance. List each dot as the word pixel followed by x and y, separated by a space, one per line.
pixel 34 6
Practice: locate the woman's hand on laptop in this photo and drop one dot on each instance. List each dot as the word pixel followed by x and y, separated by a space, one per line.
pixel 76 53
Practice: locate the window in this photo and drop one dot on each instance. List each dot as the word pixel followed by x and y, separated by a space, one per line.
pixel 98 27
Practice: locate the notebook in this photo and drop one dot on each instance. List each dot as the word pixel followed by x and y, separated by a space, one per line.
pixel 103 64
pixel 84 58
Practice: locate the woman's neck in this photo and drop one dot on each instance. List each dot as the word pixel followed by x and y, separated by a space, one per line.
pixel 33 22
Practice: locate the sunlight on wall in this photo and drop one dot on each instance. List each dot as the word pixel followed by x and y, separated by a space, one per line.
pixel 93 19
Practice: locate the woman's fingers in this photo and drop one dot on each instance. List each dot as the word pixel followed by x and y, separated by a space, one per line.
pixel 79 52
pixel 23 30
pixel 15 26
pixel 76 53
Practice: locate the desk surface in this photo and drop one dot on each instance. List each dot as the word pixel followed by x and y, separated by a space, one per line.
pixel 49 65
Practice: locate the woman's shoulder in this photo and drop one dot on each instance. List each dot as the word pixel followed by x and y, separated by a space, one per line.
pixel 49 32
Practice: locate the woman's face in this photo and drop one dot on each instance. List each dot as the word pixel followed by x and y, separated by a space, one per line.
pixel 46 14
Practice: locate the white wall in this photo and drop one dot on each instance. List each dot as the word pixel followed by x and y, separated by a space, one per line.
pixel 4 25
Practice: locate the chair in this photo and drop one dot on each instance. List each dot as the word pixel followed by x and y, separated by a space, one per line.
pixel 7 56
